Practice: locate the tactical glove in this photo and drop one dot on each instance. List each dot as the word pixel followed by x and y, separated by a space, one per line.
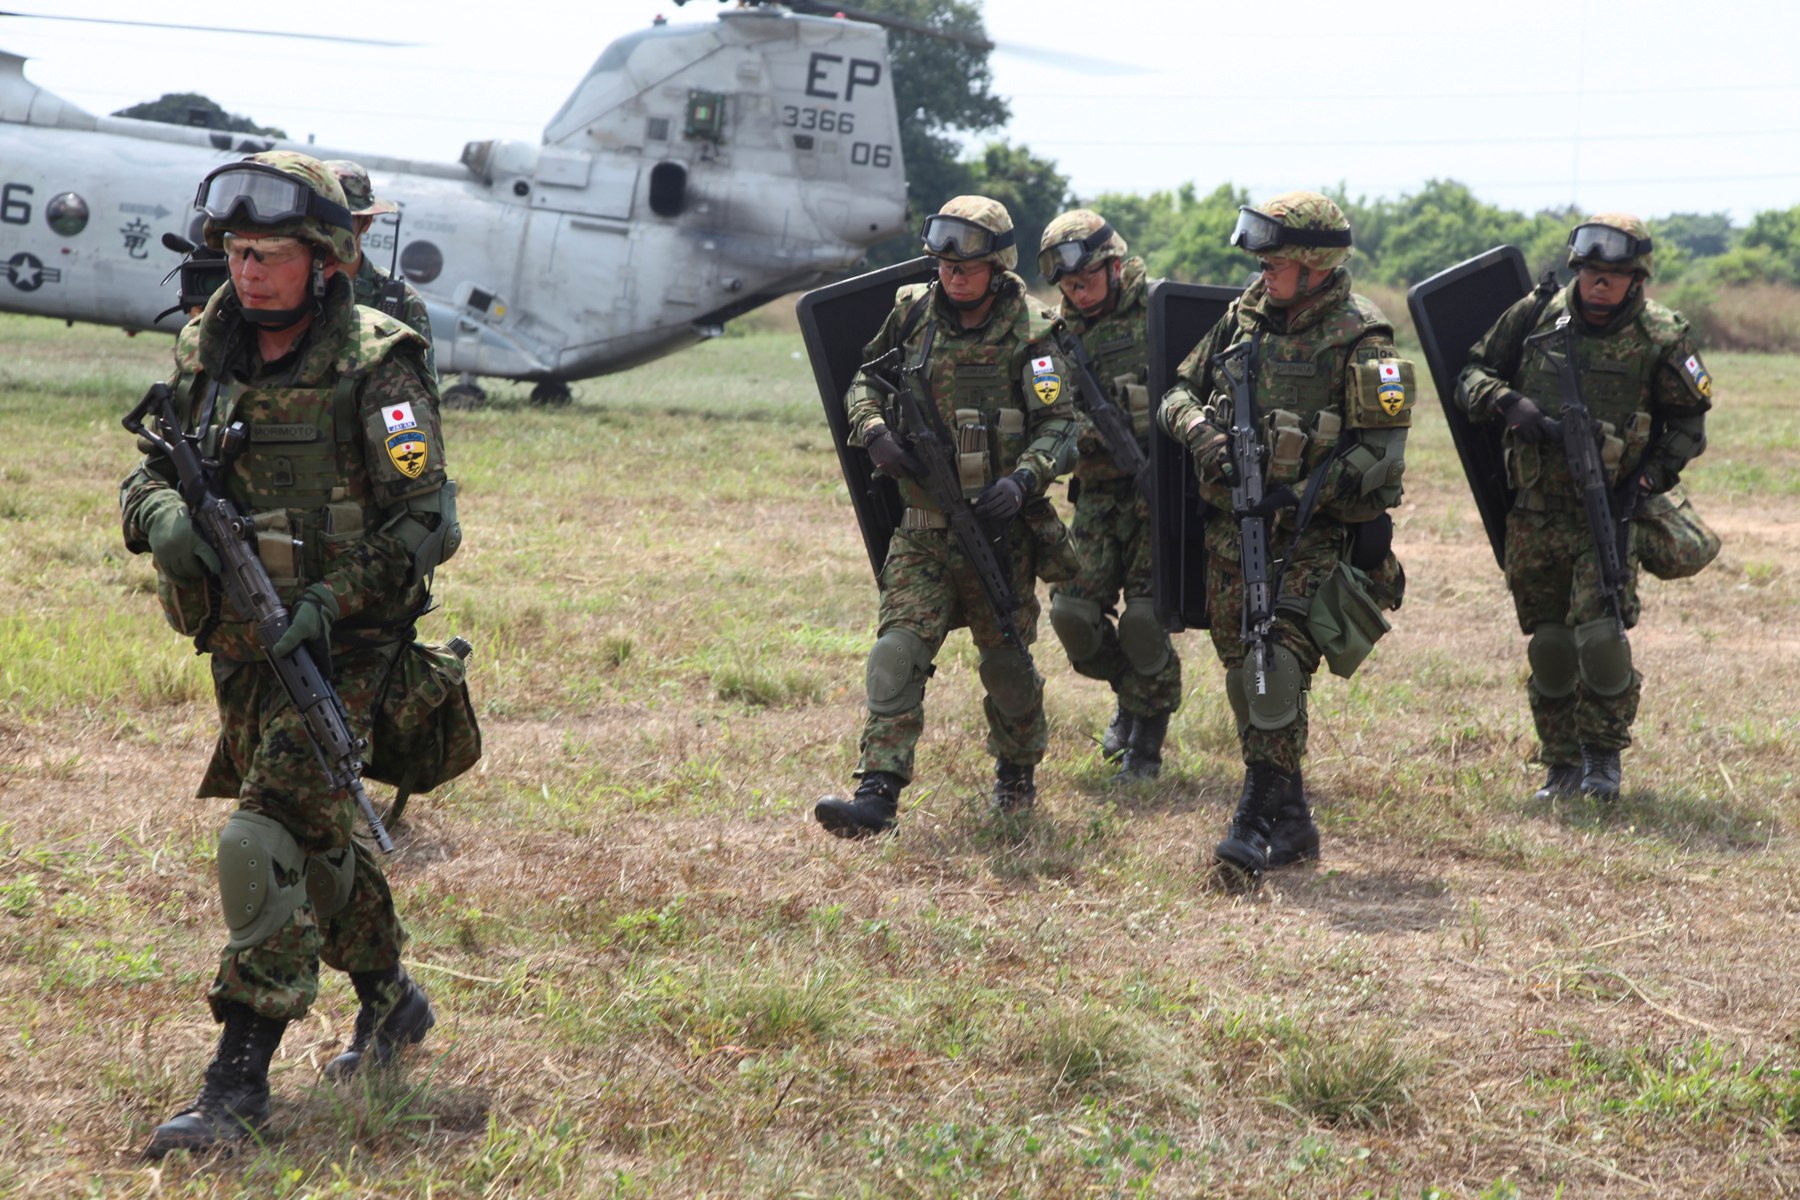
pixel 1273 501
pixel 1002 499
pixel 310 621
pixel 891 458
pixel 1525 420
pixel 177 546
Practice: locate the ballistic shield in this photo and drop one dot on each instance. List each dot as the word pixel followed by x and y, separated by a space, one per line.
pixel 1452 310
pixel 837 321
pixel 1180 315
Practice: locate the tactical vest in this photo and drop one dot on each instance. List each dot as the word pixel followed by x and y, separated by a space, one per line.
pixel 1300 390
pixel 1616 371
pixel 301 475
pixel 978 396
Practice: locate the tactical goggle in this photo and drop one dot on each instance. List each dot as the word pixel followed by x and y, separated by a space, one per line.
pixel 953 237
pixel 1257 233
pixel 1067 258
pixel 261 195
pixel 1606 243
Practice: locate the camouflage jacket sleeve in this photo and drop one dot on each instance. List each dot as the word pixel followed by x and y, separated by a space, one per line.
pixel 149 489
pixel 418 319
pixel 1050 427
pixel 863 402
pixel 1493 361
pixel 1680 396
pixel 1364 481
pixel 1190 412
pixel 380 567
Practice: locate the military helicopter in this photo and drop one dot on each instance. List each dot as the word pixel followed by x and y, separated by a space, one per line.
pixel 696 172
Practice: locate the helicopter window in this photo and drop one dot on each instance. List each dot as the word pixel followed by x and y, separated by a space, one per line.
pixel 668 189
pixel 658 130
pixel 421 262
pixel 67 214
pixel 705 114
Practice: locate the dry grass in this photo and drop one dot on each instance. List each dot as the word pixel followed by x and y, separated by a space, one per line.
pixel 656 977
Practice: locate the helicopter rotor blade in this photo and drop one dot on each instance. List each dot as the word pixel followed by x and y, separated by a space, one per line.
pixel 311 37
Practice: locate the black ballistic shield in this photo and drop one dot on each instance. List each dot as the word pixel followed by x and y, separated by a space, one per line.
pixel 837 321
pixel 1180 315
pixel 1452 310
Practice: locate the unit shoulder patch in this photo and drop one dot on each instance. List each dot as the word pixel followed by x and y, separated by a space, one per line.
pixel 408 452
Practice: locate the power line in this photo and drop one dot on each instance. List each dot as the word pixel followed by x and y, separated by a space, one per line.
pixel 1253 143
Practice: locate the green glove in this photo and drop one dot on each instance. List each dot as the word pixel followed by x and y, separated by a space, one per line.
pixel 178 547
pixel 310 620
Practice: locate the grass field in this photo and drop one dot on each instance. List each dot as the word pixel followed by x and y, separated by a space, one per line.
pixel 655 976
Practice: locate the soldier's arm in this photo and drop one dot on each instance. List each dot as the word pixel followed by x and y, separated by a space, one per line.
pixel 1363 481
pixel 1680 396
pixel 1051 427
pixel 1487 375
pixel 862 403
pixel 418 318
pixel 417 511
pixel 149 490
pixel 1191 412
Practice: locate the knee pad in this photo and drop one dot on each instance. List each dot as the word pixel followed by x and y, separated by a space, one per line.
pixel 329 879
pixel 1080 626
pixel 262 878
pixel 1604 655
pixel 1240 703
pixel 1279 705
pixel 899 665
pixel 1142 637
pixel 1010 682
pixel 1554 664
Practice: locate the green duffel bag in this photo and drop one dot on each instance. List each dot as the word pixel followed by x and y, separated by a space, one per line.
pixel 425 730
pixel 1672 541
pixel 1344 621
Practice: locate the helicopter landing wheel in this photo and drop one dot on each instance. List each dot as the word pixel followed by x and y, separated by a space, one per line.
pixel 552 393
pixel 464 396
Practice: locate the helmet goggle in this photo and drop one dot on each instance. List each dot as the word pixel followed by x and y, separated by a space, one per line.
pixel 1258 233
pixel 261 195
pixel 1067 258
pixel 1606 244
pixel 954 237
pixel 269 251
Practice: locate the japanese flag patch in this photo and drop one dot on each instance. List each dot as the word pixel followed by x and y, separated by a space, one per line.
pixel 1697 371
pixel 1042 366
pixel 399 416
pixel 1390 389
pixel 1390 372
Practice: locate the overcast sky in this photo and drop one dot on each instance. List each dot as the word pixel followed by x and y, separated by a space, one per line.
pixel 1655 106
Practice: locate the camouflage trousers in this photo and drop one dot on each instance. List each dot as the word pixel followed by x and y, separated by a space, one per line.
pixel 928 589
pixel 1111 529
pixel 1552 570
pixel 1324 544
pixel 264 758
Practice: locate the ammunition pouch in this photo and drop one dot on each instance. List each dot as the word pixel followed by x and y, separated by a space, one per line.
pixel 425 730
pixel 971 452
pixel 1672 541
pixel 1286 441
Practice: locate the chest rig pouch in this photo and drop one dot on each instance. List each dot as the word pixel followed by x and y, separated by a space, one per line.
pixel 1616 373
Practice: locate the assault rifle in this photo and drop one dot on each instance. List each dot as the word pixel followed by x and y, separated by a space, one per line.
pixel 249 591
pixel 1581 447
pixel 1113 425
pixel 392 299
pixel 936 455
pixel 1247 452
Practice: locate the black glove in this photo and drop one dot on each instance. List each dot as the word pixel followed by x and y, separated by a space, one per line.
pixel 1002 499
pixel 1273 501
pixel 891 458
pixel 1526 420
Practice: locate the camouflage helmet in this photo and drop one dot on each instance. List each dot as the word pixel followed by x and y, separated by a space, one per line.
pixel 359 193
pixel 971 229
pixel 1076 240
pixel 249 196
pixel 1616 240
pixel 1307 227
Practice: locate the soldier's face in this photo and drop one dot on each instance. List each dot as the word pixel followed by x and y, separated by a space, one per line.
pixel 1602 290
pixel 271 272
pixel 964 281
pixel 1281 276
pixel 1089 288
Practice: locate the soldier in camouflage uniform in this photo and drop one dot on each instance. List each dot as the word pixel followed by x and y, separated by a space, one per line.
pixel 1334 403
pixel 366 277
pixel 1104 305
pixel 1001 393
pixel 341 466
pixel 1643 380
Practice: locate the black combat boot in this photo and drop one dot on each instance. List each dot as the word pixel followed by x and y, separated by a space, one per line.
pixel 1014 790
pixel 394 1014
pixel 1143 753
pixel 869 812
pixel 1600 773
pixel 234 1100
pixel 1244 854
pixel 1118 734
pixel 1564 780
pixel 1293 838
